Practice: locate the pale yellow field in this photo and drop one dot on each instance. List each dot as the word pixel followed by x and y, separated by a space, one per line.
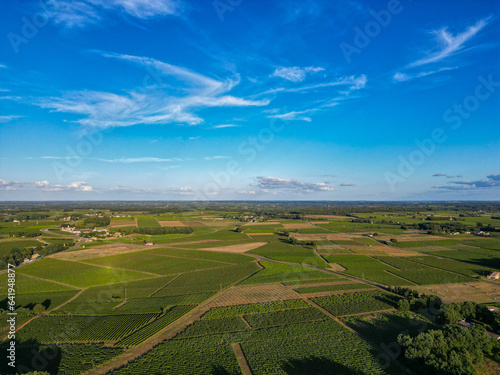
pixel 242 248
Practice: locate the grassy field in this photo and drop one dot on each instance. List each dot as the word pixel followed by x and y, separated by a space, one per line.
pixel 331 288
pixel 149 261
pixel 355 303
pixel 279 249
pixel 6 246
pixel 147 222
pixel 78 274
pixel 368 268
pixel 276 272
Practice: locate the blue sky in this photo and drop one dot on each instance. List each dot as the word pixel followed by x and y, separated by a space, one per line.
pixel 260 100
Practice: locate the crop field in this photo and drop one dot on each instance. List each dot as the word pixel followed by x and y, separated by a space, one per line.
pixel 154 327
pixel 147 222
pixel 255 308
pixel 78 274
pixel 213 326
pixel 470 255
pixel 310 348
pixel 27 284
pixel 303 341
pixel 383 328
pixel 333 278
pixel 204 355
pixel 368 268
pixel 331 288
pixel 278 249
pixel 284 318
pixel 206 302
pixel 72 359
pixel 422 274
pixel 492 244
pixel 7 245
pixel 205 255
pixel 49 300
pixel 355 303
pixel 65 329
pixel 147 261
pixel 467 269
pixel 207 281
pixel 406 244
pixel 277 273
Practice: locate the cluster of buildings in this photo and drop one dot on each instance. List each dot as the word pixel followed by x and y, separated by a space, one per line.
pixel 463 323
pixel 33 257
pixel 73 230
pixel 494 276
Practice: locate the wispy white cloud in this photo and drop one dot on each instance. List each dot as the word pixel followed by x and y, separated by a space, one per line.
pixel 73 186
pixel 352 82
pixel 11 185
pixel 490 181
pixel 145 159
pixel 402 77
pixel 294 115
pixel 449 44
pixel 8 118
pixel 155 104
pixel 222 126
pixel 3 66
pixel 132 190
pixel 216 157
pixel 273 183
pixel 295 74
pixel 81 13
pixel 44 186
pixel 184 190
pixel 246 192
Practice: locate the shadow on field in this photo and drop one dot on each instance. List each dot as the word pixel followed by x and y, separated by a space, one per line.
pixel 31 356
pixel 5 306
pixel 390 299
pixel 316 366
pixel 219 370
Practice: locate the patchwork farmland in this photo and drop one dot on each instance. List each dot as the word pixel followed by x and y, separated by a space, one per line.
pixel 269 296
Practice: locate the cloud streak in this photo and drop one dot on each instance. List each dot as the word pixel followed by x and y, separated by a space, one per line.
pixel 4 119
pixel 74 14
pixel 403 77
pixel 449 44
pixel 155 104
pixel 140 160
pixel 490 181
pixel 295 74
pixel 78 186
pixel 266 184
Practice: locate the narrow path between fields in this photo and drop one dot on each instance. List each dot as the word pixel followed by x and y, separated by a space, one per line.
pixel 242 361
pixel 167 333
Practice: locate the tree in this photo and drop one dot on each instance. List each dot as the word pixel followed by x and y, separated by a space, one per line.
pixel 38 308
pixel 451 350
pixel 403 305
pixel 450 314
